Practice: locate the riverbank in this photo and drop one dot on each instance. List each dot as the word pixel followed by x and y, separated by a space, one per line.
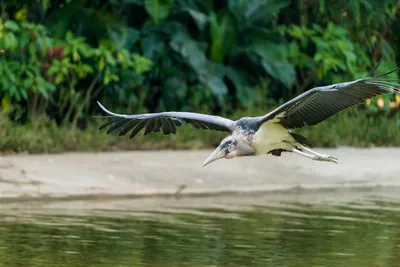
pixel 171 173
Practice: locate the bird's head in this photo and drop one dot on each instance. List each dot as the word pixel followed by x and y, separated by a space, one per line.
pixel 230 147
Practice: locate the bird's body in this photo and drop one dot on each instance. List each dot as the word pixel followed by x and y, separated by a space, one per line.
pixel 272 136
pixel 268 134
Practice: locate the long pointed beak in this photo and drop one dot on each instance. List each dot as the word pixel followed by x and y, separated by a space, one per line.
pixel 217 154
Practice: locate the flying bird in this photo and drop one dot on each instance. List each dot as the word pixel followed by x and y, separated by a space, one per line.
pixel 270 133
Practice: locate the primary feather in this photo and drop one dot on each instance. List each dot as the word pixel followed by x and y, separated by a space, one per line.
pixel 168 122
pixel 320 103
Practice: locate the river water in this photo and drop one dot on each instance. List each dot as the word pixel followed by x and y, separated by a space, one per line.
pixel 348 228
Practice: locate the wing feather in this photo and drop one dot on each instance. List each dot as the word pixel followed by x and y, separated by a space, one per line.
pixel 117 125
pixel 320 103
pixel 165 126
pixel 172 125
pixel 150 126
pixel 157 125
pixel 168 122
pixel 139 126
pixel 131 124
pixel 105 125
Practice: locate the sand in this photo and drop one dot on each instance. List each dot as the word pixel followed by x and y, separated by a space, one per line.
pixel 141 174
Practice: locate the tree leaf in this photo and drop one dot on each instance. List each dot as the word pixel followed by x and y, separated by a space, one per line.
pixel 59 78
pixel 255 12
pixel 244 92
pixel 261 12
pixel 269 50
pixel 274 61
pixel 158 9
pixel 152 46
pixel 214 83
pixel 6 103
pixel 199 18
pixel 10 75
pixel 50 86
pixel 238 8
pixel 195 57
pixel 24 38
pixel 28 83
pixel 11 25
pixel 174 89
pixel 141 64
pixel 223 37
pixel 190 51
pixel 282 71
pixel 10 41
pixel 124 37
pixel 257 35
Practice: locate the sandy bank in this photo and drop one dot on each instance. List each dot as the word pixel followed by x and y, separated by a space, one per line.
pixel 85 175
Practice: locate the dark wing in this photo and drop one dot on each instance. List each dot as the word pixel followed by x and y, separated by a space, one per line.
pixel 320 103
pixel 167 121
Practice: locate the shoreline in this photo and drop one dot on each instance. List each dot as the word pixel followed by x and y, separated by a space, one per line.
pixel 169 173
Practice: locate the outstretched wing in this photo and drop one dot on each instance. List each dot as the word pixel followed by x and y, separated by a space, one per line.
pixel 320 103
pixel 167 121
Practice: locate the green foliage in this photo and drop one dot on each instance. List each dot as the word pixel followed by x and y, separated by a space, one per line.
pixel 46 72
pixel 20 73
pixel 334 52
pixel 225 48
pixel 158 9
pixel 225 57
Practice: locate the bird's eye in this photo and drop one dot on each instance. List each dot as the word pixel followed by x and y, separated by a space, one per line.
pixel 232 146
pixel 228 146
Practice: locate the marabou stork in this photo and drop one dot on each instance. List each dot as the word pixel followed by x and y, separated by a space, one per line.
pixel 268 134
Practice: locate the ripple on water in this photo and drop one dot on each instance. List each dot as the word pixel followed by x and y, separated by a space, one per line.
pixel 363 232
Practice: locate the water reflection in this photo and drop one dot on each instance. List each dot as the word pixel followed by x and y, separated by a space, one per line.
pixel 363 233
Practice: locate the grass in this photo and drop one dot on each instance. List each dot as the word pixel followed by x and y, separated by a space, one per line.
pixel 349 128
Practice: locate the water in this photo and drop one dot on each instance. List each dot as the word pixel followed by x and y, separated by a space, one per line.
pixel 307 229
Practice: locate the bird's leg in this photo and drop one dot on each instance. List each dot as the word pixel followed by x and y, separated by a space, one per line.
pixel 314 155
pixel 295 150
pixel 321 155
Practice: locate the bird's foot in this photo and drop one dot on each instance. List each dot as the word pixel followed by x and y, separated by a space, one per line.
pixel 324 157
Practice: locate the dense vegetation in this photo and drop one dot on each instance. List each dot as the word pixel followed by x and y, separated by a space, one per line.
pixel 226 57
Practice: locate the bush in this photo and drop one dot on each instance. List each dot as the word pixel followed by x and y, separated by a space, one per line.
pixel 223 57
pixel 46 76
